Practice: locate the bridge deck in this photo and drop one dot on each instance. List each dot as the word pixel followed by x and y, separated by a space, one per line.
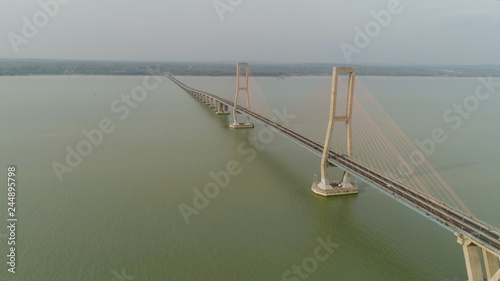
pixel 482 234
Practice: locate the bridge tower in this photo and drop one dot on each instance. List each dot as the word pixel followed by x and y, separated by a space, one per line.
pixel 325 187
pixel 235 124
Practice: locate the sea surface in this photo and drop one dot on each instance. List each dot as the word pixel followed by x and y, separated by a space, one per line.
pixel 130 208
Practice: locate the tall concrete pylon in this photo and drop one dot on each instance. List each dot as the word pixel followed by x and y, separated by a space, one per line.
pixel 325 187
pixel 235 124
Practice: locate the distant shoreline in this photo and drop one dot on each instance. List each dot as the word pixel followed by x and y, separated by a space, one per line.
pixel 63 67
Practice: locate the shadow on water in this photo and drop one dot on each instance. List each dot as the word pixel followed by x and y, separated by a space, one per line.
pixel 455 166
pixel 444 168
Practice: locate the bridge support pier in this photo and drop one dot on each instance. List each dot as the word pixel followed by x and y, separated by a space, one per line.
pixel 220 108
pixel 325 187
pixel 235 124
pixel 491 264
pixel 473 261
pixel 212 105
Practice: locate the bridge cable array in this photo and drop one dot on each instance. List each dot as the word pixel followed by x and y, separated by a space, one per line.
pixel 378 142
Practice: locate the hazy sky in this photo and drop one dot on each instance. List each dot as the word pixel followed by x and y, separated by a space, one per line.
pixel 422 32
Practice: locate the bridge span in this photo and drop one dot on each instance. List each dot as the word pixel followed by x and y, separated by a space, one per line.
pixel 471 232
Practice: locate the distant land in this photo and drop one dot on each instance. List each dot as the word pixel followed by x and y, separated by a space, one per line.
pixel 25 67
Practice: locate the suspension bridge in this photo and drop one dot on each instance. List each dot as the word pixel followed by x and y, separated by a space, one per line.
pixel 424 191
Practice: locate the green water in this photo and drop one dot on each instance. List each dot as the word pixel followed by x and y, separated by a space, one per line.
pixel 119 208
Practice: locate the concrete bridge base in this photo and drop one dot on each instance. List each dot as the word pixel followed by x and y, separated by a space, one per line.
pixel 241 125
pixel 333 189
pixel 223 113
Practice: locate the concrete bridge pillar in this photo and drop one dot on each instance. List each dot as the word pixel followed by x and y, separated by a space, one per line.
pixel 212 105
pixel 325 187
pixel 472 259
pixel 492 267
pixel 473 263
pixel 235 124
pixel 221 109
pixel 225 110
